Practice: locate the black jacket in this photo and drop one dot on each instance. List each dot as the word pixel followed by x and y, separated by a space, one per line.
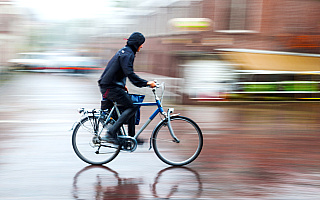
pixel 121 65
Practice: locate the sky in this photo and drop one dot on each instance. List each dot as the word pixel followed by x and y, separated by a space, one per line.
pixel 66 9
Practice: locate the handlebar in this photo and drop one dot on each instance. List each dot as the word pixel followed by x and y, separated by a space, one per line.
pixel 158 85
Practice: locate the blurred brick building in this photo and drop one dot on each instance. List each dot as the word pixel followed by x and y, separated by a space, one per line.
pixel 265 35
pixel 13 28
pixel 282 26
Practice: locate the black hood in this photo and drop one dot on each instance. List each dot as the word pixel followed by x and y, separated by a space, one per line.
pixel 135 40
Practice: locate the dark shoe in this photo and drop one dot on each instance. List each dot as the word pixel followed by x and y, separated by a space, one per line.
pixel 109 137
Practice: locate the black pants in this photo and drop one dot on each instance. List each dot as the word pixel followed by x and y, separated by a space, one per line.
pixel 118 95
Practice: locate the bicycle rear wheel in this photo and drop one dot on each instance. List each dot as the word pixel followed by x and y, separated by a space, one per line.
pixel 87 144
pixel 183 152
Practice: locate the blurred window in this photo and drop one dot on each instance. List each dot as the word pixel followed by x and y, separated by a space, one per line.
pixel 238 15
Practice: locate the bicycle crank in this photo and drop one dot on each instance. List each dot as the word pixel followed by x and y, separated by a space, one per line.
pixel 127 143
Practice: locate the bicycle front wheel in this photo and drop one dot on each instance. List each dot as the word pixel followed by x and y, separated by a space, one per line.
pixel 185 149
pixel 87 144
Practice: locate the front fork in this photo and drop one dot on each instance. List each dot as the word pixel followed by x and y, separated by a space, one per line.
pixel 175 139
pixel 168 123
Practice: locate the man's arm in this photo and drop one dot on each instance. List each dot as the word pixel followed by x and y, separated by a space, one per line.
pixel 126 63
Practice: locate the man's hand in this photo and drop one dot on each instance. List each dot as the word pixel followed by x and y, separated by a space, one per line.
pixel 152 84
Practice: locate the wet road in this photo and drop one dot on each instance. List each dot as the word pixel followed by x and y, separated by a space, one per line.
pixel 251 151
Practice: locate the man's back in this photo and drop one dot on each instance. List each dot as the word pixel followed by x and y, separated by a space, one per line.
pixel 119 67
pixel 113 74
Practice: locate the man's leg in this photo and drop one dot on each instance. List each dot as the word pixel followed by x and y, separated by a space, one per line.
pixel 132 126
pixel 121 97
pixel 106 104
pixel 127 114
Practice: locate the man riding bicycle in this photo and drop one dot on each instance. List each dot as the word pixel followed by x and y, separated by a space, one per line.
pixel 113 88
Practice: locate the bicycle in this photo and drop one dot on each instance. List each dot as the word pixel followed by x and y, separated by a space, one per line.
pixel 176 140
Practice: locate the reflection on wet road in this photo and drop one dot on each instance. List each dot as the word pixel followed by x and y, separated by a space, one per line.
pixel 251 151
pixel 102 182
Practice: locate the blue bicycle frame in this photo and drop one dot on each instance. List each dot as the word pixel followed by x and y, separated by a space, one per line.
pixel 155 113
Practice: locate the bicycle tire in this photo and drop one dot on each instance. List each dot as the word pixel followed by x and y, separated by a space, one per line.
pixel 84 147
pixel 173 153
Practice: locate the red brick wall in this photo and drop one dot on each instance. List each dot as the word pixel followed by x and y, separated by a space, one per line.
pixel 282 25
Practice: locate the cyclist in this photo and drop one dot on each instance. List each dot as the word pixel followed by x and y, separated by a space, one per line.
pixel 112 85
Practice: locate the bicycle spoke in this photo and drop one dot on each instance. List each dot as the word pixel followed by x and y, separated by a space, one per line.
pixel 178 153
pixel 165 140
pixel 88 147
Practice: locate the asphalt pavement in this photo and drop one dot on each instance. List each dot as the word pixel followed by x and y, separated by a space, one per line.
pixel 251 150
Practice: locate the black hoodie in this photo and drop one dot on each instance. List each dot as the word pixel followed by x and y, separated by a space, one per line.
pixel 121 65
pixel 135 40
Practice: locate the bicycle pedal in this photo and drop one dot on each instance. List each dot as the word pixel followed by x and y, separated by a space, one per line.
pixel 128 143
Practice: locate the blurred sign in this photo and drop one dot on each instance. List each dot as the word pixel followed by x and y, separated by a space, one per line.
pixel 191 24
